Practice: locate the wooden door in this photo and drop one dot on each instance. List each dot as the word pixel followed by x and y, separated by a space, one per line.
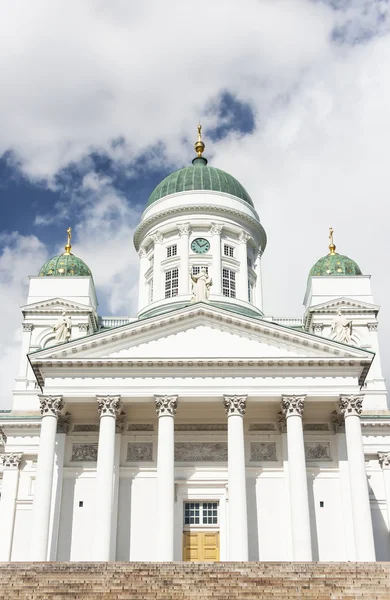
pixel 201 546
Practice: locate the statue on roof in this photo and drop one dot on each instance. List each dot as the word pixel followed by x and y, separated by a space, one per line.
pixel 63 328
pixel 201 283
pixel 341 329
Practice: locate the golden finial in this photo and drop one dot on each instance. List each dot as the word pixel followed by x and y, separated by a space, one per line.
pixel 68 246
pixel 332 247
pixel 199 145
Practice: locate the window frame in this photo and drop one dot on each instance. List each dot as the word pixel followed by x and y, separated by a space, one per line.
pixel 203 508
pixel 171 290
pixel 231 278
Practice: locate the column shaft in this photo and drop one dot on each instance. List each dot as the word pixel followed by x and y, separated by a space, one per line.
pixel 299 500
pixel 259 283
pixel 238 512
pixel 8 503
pixel 143 299
pixel 50 409
pixel 364 535
pixel 184 277
pixel 58 476
pixel 108 409
pixel 215 232
pixel 166 409
pixel 158 288
pixel 242 291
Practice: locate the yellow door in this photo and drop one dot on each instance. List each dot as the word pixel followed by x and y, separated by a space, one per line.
pixel 201 546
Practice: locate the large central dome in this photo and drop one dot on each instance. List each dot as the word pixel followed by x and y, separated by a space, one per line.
pixel 199 176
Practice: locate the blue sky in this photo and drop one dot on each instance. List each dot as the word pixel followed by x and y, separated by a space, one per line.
pixel 102 101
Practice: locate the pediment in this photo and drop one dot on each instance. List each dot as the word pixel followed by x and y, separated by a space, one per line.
pixel 55 305
pixel 347 304
pixel 199 331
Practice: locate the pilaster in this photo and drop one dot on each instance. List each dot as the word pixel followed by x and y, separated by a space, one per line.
pixel 10 463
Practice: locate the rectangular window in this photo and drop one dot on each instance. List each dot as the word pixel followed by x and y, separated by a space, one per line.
pixel 151 291
pixel 196 269
pixel 200 513
pixel 249 262
pixel 172 251
pixel 228 250
pixel 229 283
pixel 171 283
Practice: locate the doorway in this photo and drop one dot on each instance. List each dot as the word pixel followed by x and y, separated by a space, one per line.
pixel 201 532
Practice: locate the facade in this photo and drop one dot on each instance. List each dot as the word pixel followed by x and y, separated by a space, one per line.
pixel 201 429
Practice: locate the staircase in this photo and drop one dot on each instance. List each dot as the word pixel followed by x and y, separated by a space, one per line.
pixel 190 581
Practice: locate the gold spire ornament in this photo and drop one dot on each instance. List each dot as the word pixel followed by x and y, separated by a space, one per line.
pixel 68 246
pixel 332 247
pixel 199 145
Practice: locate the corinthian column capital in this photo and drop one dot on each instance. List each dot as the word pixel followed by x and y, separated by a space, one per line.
pixel 51 405
pixel 108 405
pixel 293 406
pixel 216 229
pixel 11 460
pixel 235 405
pixel 384 459
pixel 351 405
pixel 166 405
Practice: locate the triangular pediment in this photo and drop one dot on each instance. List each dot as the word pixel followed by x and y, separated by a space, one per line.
pixel 199 331
pixel 55 305
pixel 346 304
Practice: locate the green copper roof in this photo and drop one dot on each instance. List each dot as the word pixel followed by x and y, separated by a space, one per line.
pixel 65 265
pixel 199 176
pixel 335 264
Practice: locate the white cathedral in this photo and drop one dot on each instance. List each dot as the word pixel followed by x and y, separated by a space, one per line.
pixel 201 429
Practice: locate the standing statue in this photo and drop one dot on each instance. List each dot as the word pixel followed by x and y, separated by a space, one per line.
pixel 341 329
pixel 63 328
pixel 201 286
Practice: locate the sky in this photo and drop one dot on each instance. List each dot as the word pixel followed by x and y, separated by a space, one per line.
pixel 100 100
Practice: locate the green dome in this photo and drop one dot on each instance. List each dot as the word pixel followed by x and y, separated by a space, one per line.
pixel 334 264
pixel 199 176
pixel 65 265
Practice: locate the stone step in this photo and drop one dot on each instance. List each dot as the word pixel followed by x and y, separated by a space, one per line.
pixel 190 581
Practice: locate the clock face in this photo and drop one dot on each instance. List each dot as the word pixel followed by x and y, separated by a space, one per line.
pixel 200 246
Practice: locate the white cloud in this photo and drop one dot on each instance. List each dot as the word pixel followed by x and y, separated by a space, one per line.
pixel 20 256
pixel 81 75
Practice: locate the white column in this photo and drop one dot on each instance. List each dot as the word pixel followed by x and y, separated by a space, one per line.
pixel 143 298
pixel 63 424
pixel 238 512
pixel 108 407
pixel 215 232
pixel 259 282
pixel 10 463
pixel 384 461
pixel 292 407
pixel 184 252
pixel 120 424
pixel 166 409
pixel 351 407
pixel 50 407
pixel 26 341
pixel 158 287
pixel 242 251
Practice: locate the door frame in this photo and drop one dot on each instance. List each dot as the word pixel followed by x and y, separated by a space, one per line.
pixel 198 491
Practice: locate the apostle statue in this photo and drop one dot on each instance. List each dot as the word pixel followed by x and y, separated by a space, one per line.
pixel 201 284
pixel 341 329
pixel 63 328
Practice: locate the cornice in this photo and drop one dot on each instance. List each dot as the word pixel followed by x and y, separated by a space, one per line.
pixel 107 341
pixel 200 208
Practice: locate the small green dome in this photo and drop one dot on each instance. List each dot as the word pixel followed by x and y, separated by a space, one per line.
pixel 65 265
pixel 199 176
pixel 334 264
